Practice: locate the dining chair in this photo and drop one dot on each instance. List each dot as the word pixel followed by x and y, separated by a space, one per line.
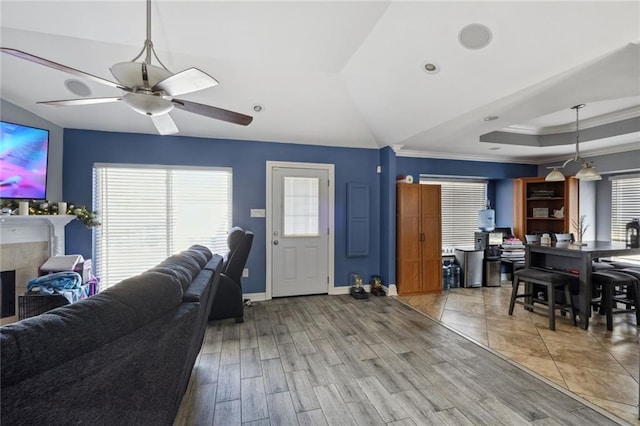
pixel 563 238
pixel 532 239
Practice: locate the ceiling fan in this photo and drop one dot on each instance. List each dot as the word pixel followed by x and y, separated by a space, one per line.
pixel 149 89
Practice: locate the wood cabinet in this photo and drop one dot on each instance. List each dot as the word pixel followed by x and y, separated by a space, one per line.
pixel 418 238
pixel 534 201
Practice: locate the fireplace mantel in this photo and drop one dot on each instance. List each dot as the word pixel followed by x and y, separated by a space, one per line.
pixel 23 229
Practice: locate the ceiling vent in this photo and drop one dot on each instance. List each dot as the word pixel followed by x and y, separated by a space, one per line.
pixel 474 36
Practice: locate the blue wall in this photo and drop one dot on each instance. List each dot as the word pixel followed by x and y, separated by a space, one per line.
pixel 83 148
pixel 388 216
pixel 504 202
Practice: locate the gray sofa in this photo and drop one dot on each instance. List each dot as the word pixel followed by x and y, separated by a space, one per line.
pixel 123 356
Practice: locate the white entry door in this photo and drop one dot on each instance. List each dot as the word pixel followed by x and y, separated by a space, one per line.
pixel 299 231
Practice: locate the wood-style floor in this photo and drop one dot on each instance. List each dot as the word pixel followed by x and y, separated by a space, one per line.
pixel 598 365
pixel 335 360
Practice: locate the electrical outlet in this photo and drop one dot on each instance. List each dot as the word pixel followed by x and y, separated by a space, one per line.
pixel 245 272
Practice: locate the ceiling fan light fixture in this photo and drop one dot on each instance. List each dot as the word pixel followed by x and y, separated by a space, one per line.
pixel 554 175
pixel 131 74
pixel 147 104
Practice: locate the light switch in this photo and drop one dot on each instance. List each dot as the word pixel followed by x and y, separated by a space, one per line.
pixel 258 212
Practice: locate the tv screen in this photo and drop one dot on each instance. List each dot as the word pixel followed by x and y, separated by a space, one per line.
pixel 23 161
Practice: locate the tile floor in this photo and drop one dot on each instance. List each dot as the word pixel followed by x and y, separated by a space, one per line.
pixel 598 365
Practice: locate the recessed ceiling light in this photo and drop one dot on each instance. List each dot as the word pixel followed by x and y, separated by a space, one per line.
pixel 258 108
pixel 77 88
pixel 431 68
pixel 475 36
pixel 491 118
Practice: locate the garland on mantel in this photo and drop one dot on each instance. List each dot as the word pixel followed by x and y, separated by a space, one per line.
pixel 39 207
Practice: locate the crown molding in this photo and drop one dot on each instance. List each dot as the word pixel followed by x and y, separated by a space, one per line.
pixel 587 123
pixel 634 146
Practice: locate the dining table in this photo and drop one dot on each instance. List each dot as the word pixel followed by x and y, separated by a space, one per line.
pixel 576 260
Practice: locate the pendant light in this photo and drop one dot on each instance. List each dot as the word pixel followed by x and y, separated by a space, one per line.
pixel 587 172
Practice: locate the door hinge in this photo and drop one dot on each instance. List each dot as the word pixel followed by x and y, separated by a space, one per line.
pixel 327 279
pixel 328 231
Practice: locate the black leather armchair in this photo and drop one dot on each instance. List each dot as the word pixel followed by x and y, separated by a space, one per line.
pixel 228 301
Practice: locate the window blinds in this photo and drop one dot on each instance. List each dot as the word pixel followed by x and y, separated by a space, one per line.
pixel 461 200
pixel 625 204
pixel 151 212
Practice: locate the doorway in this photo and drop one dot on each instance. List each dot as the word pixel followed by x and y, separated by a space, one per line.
pixel 300 228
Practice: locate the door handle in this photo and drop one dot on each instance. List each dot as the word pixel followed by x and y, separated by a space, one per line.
pixel 275 242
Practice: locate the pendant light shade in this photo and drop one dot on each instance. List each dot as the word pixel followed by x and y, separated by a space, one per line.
pixel 587 172
pixel 554 175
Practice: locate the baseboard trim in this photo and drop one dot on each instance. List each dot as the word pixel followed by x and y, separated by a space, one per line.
pixel 390 290
pixel 255 297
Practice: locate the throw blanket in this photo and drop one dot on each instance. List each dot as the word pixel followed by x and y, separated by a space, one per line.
pixel 66 283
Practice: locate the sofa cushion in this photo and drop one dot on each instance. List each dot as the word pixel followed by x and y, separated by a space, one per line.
pixel 43 342
pixel 200 253
pixel 184 261
pixel 182 274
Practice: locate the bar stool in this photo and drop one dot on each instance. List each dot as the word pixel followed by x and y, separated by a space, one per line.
pixel 628 282
pixel 552 281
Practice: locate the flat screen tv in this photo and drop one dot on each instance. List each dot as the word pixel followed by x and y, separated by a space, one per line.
pixel 23 161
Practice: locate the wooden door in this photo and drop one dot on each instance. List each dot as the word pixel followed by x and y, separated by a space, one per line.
pixel 431 229
pixel 408 254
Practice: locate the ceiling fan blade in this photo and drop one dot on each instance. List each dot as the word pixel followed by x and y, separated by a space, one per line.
pixel 164 124
pixel 213 112
pixel 38 60
pixel 187 81
pixel 74 102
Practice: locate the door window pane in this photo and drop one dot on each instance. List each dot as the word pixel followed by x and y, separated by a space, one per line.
pixel 301 206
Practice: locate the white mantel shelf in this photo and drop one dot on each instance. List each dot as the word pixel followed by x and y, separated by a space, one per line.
pixel 17 229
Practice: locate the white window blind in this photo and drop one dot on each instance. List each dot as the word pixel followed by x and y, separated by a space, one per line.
pixel 461 200
pixel 625 205
pixel 151 212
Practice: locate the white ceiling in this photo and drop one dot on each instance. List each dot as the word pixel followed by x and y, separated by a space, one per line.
pixel 347 73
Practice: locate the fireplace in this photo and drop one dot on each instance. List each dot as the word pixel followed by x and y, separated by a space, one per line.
pixel 26 242
pixel 7 294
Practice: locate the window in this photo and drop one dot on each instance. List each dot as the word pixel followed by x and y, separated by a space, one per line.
pixel 461 200
pixel 625 205
pixel 301 206
pixel 151 212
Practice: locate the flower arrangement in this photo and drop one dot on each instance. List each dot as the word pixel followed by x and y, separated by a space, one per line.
pixel 42 207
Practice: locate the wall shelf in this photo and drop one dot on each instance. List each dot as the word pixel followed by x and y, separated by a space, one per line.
pixel 534 193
